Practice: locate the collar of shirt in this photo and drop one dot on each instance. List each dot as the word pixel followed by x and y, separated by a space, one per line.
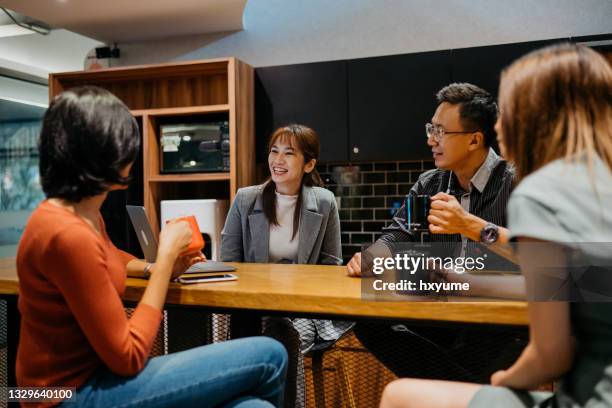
pixel 482 176
pixel 480 179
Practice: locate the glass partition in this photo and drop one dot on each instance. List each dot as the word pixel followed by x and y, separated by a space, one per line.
pixel 22 106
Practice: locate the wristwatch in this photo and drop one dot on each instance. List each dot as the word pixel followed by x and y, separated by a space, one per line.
pixel 147 271
pixel 489 234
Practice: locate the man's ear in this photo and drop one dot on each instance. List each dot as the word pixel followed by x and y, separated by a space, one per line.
pixel 477 141
pixel 308 167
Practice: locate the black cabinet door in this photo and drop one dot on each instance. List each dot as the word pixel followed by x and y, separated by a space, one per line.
pixel 482 66
pixel 390 100
pixel 309 94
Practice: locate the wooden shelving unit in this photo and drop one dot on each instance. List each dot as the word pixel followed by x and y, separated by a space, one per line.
pixel 192 110
pixel 189 177
pixel 158 93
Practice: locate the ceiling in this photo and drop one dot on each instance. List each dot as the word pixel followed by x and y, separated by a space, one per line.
pixel 123 21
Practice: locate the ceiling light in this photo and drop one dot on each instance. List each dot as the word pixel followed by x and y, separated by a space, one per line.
pixel 13 30
pixel 38 105
pixel 37 27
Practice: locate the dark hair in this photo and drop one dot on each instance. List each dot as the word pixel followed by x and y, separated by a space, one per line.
pixel 88 136
pixel 306 141
pixel 556 103
pixel 477 110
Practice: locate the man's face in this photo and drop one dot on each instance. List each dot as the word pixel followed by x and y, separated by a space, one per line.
pixel 451 152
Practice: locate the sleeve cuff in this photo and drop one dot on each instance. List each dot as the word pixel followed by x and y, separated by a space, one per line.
pixel 146 319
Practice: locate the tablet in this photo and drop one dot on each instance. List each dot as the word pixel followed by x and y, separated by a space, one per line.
pixel 201 278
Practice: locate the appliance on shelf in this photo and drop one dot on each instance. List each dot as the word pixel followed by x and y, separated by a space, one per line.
pixel 195 147
pixel 210 215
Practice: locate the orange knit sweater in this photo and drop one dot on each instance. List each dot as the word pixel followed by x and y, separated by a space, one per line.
pixel 72 319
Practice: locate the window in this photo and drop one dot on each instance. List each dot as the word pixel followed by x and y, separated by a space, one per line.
pixel 22 106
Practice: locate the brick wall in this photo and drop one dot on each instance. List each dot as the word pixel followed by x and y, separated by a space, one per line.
pixel 367 194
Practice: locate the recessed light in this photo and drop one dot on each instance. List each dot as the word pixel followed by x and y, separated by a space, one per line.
pixel 39 105
pixel 13 30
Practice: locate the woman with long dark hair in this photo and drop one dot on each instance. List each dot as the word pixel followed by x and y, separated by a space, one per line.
pixel 290 218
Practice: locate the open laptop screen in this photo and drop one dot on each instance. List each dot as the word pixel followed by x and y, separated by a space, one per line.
pixel 148 242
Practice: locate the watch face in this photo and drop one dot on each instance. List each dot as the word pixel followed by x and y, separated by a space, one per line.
pixel 489 234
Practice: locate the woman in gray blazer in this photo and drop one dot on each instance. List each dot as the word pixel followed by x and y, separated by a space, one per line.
pixel 288 219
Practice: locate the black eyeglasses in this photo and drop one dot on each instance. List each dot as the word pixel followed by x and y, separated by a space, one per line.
pixel 438 132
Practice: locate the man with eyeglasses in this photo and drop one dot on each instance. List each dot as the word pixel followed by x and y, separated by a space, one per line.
pixel 469 190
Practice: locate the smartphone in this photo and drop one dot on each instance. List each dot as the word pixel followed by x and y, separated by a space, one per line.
pixel 200 278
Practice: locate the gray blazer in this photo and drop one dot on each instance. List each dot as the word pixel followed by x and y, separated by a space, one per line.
pixel 246 237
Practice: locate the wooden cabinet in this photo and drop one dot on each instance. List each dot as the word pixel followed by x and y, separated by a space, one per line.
pixel 390 100
pixel 310 94
pixel 175 93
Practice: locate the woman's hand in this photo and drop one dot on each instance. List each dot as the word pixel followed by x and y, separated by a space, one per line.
pixel 174 238
pixel 183 263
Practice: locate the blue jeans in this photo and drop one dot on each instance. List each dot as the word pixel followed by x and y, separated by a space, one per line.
pixel 243 373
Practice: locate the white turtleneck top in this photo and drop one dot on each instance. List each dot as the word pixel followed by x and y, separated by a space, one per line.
pixel 281 246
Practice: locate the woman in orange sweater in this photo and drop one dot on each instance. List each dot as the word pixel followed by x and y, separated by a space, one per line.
pixel 74 330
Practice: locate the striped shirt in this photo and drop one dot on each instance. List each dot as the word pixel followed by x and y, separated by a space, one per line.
pixel 487 199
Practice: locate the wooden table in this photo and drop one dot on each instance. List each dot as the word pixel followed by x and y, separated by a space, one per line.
pixel 308 290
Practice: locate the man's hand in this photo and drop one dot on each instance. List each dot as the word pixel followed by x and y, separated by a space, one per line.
pixel 354 265
pixel 183 263
pixel 446 216
pixel 498 378
pixel 357 267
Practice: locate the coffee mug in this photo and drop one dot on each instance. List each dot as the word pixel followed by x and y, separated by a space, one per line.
pixel 197 242
pixel 417 210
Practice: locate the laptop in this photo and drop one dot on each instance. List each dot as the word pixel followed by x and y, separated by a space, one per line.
pixel 148 243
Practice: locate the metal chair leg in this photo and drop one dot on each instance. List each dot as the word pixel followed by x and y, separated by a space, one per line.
pixel 344 381
pixel 317 379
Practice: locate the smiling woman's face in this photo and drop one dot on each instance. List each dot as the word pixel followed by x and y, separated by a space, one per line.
pixel 287 167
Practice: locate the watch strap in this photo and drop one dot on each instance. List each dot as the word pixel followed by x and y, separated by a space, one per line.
pixel 147 271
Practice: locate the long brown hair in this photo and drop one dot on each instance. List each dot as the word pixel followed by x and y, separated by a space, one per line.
pixel 306 141
pixel 556 103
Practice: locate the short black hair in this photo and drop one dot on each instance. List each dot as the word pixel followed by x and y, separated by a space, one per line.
pixel 478 109
pixel 88 136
